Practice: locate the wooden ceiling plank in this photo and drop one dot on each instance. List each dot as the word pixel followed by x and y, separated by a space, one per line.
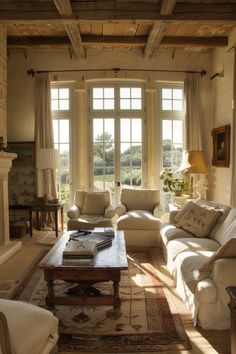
pixel 40 11
pixel 154 39
pixel 195 41
pixel 167 7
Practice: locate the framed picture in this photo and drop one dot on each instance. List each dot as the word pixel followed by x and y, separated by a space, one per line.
pixel 25 152
pixel 221 146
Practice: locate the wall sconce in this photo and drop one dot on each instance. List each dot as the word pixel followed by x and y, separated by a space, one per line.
pixel 193 163
pixel 47 159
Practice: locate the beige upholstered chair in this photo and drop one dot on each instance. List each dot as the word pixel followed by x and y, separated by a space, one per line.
pixel 90 209
pixel 27 329
pixel 139 216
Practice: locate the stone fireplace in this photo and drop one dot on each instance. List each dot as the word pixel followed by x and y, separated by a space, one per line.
pixel 7 247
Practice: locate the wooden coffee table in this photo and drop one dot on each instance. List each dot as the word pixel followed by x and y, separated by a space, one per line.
pixel 108 265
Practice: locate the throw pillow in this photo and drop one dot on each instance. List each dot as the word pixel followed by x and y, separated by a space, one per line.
pixel 94 203
pixel 228 250
pixel 197 219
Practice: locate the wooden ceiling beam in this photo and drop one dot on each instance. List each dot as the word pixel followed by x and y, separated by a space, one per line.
pixel 154 39
pixel 64 8
pixel 88 40
pixel 167 7
pixel 19 12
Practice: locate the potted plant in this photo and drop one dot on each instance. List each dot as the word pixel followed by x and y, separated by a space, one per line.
pixel 176 186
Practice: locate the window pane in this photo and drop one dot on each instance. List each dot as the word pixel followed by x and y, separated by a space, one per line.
pixel 124 92
pixel 136 129
pixel 178 94
pixel 166 105
pixel 108 104
pixel 177 155
pixel 54 105
pixel 97 92
pixel 177 131
pixel 125 154
pixel 166 93
pixel 125 104
pixel 54 93
pixel 108 92
pixel 125 130
pixel 97 104
pixel 64 131
pixel 97 129
pixel 177 105
pixel 166 129
pixel 63 105
pixel 136 104
pixel 64 155
pixel 109 128
pixel 64 93
pixel 55 130
pixel 136 92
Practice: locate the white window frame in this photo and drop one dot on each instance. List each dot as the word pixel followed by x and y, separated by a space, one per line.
pixel 66 114
pixel 121 113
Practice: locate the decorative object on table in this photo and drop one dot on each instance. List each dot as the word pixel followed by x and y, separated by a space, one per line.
pixel 221 146
pixel 172 184
pixel 194 165
pixel 81 252
pixel 100 239
pixel 47 159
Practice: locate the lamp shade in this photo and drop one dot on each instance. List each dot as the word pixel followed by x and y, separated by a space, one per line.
pixel 47 159
pixel 193 162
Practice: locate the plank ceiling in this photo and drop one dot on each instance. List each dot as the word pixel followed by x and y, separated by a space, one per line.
pixel 76 25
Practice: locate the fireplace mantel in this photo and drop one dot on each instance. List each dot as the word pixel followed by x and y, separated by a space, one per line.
pixel 7 247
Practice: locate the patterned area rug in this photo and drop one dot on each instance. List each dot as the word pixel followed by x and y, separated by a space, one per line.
pixel 144 324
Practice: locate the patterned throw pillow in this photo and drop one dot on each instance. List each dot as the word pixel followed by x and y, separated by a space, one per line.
pixel 197 219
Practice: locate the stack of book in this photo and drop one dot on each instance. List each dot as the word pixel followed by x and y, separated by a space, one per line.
pixel 101 238
pixel 79 252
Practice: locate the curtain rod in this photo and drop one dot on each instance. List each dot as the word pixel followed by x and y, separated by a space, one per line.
pixel 116 70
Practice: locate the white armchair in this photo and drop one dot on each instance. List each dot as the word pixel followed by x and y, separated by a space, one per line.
pixel 90 209
pixel 139 216
pixel 27 329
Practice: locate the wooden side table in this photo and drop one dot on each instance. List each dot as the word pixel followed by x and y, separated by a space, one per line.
pixel 232 307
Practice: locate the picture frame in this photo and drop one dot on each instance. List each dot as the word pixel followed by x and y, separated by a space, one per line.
pixel 221 146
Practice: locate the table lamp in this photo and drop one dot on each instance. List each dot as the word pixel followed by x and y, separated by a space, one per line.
pixel 193 163
pixel 47 159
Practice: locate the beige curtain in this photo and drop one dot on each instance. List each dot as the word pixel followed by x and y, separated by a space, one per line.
pixel 233 144
pixel 193 137
pixel 43 128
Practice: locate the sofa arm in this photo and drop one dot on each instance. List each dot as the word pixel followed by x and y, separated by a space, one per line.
pixel 172 216
pixel 74 212
pixel 158 211
pixel 5 346
pixel 109 211
pixel 223 271
pixel 120 209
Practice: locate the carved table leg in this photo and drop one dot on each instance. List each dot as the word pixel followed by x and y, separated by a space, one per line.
pixel 116 302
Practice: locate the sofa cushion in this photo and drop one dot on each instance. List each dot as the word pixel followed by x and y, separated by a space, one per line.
pixel 228 250
pixel 138 219
pixel 175 247
pixel 170 232
pixel 197 219
pixel 95 203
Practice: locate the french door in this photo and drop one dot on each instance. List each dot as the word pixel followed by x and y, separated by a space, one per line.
pixel 117 149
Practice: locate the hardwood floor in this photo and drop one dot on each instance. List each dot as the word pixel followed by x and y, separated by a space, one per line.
pixel 203 342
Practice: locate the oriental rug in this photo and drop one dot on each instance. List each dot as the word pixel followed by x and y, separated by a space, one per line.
pixel 144 323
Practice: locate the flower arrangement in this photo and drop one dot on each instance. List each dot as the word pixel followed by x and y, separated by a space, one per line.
pixel 171 184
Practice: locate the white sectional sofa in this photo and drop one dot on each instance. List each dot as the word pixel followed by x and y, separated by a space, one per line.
pixel 199 245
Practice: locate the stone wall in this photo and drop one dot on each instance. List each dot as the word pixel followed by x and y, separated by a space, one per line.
pixel 3 81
